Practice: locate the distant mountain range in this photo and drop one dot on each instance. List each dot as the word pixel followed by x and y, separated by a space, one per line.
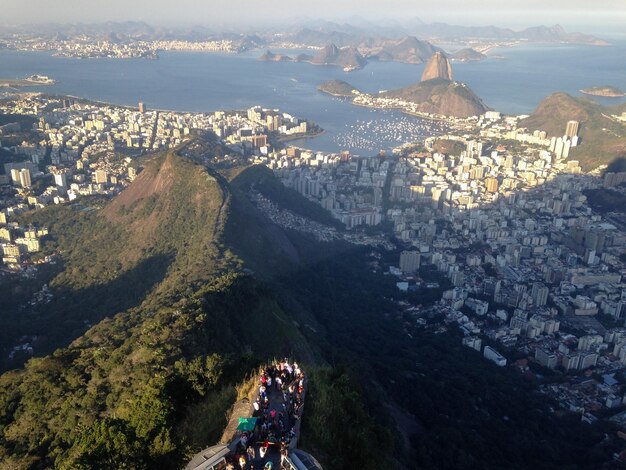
pixel 315 33
pixel 349 34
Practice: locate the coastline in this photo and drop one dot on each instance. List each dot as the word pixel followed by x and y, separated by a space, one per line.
pixel 307 135
pixel 430 117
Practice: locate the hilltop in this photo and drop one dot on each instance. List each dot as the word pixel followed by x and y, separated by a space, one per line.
pixel 602 138
pixel 437 67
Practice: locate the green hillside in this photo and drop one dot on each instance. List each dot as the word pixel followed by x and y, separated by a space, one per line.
pixel 190 324
pixel 337 88
pixel 603 139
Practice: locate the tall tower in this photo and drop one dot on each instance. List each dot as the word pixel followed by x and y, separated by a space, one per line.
pixel 142 107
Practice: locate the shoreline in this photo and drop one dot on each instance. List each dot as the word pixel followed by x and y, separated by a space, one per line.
pixel 409 113
pixel 307 136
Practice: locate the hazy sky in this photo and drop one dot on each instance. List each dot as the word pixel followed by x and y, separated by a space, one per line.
pixel 478 12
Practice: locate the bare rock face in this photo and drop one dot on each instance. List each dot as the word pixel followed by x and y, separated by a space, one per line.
pixel 437 67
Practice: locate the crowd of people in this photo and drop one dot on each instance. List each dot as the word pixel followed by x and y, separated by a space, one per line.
pixel 277 407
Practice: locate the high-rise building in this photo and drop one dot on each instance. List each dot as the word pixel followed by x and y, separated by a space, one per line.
pixel 142 107
pixel 15 175
pixel 409 261
pixel 101 177
pixel 491 184
pixel 25 178
pixel 60 179
pixel 539 293
pixel 572 129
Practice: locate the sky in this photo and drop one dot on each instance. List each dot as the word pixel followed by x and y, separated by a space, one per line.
pixel 594 14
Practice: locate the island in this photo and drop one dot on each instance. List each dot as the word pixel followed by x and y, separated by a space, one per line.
pixel 33 80
pixel 348 57
pixel 604 91
pixel 467 54
pixel 269 56
pixel 338 88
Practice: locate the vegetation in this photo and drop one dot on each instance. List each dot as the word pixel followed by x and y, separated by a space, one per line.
pixel 448 147
pixel 337 88
pixel 336 429
pixel 606 200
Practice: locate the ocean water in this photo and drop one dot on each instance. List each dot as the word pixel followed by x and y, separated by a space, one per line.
pixel 205 82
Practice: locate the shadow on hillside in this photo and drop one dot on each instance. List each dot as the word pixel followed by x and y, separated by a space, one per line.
pixel 616 166
pixel 71 312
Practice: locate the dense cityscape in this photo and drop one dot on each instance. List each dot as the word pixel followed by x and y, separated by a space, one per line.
pixel 534 273
pixel 318 236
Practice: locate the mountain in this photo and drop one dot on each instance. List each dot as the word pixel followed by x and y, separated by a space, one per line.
pixel 436 93
pixel 440 96
pixel 438 67
pixel 368 32
pixel 409 49
pixel 150 383
pixel 467 55
pixel 602 139
pixel 347 57
pixel 557 33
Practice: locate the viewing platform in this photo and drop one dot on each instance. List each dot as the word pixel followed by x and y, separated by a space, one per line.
pixel 263 434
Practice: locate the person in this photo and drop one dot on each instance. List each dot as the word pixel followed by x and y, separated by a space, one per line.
pixel 251 453
pixel 268 466
pixel 263 450
pixel 242 461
